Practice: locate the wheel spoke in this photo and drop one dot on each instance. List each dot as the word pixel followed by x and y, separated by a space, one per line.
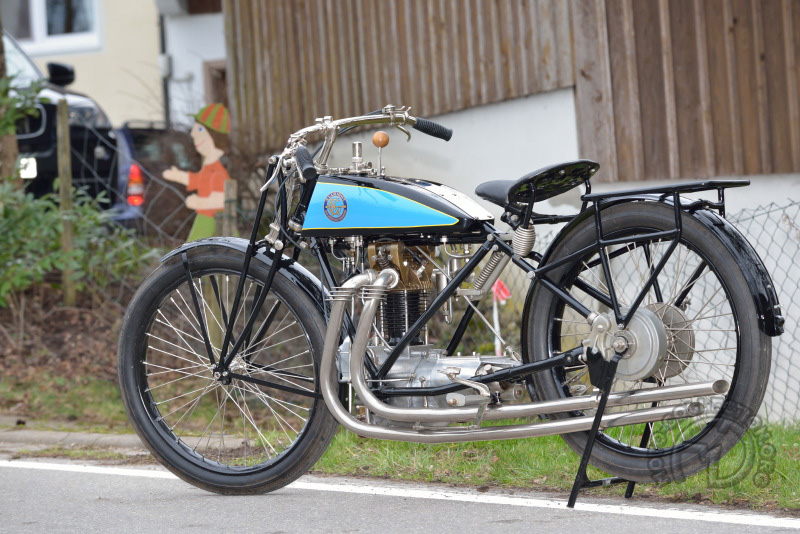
pixel 702 341
pixel 262 410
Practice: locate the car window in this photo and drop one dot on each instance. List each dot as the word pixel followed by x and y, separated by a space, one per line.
pixel 157 148
pixel 182 158
pixel 18 65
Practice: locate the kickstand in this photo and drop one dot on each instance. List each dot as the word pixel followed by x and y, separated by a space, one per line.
pixel 601 373
pixel 648 428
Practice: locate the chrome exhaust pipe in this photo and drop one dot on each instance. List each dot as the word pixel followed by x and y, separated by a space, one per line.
pixel 470 413
pixel 453 435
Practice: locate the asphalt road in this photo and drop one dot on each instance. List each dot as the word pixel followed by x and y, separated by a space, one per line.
pixel 61 496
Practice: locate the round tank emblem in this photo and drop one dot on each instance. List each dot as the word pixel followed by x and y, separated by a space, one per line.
pixel 335 206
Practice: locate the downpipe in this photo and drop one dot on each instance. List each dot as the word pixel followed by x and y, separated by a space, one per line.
pixel 462 434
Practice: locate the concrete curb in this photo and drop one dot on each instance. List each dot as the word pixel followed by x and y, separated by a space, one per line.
pixel 71 439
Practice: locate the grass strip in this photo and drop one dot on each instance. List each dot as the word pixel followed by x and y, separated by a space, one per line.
pixel 761 472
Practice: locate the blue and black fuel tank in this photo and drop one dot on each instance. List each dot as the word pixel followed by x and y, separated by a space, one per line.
pixel 347 205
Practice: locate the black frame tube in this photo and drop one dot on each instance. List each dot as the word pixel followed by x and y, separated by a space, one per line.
pixel 564 358
pixel 197 309
pixel 225 356
pixel 460 330
pixel 492 242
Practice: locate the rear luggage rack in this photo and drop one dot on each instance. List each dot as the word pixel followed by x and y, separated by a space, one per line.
pixel 673 190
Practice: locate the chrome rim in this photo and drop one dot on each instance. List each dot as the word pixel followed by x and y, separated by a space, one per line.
pixel 236 425
pixel 692 303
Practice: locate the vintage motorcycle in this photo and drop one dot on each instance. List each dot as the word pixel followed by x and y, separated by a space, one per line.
pixel 645 334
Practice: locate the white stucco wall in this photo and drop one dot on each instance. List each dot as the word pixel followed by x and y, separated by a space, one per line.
pixel 496 142
pixel 192 40
pixel 507 140
pixel 122 75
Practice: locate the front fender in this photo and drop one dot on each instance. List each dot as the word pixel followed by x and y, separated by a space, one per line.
pixel 770 320
pixel 296 273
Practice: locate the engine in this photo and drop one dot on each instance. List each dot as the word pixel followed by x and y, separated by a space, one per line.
pixel 406 302
pixel 420 364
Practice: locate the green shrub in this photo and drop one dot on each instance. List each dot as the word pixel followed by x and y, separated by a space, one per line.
pixel 30 243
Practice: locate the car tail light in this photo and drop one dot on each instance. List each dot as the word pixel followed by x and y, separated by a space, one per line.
pixel 135 186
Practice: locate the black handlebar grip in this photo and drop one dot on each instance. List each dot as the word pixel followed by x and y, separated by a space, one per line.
pixel 433 129
pixel 305 163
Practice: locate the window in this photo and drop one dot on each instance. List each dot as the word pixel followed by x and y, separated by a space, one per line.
pixel 47 27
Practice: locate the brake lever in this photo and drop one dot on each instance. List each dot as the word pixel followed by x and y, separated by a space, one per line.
pixel 404 131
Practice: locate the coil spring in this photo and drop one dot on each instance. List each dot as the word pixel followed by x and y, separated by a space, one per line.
pixel 486 272
pixel 383 259
pixel 523 241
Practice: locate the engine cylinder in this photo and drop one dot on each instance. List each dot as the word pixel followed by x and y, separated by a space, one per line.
pixel 400 310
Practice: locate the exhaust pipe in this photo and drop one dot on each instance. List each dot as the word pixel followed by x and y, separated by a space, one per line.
pixel 451 435
pixel 470 413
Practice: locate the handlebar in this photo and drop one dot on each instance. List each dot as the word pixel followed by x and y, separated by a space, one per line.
pixel 305 163
pixel 389 115
pixel 433 129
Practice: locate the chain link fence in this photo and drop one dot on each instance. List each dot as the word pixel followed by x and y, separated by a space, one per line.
pixel 774 232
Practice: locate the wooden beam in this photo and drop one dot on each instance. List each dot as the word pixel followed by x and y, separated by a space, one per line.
pixel 625 82
pixel 669 90
pixel 65 195
pixel 793 72
pixel 761 88
pixel 593 96
pixel 706 121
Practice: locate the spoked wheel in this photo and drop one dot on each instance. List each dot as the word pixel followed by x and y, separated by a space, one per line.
pixel 698 323
pixel 223 434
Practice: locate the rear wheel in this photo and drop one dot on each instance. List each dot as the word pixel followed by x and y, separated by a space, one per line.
pixel 698 323
pixel 230 436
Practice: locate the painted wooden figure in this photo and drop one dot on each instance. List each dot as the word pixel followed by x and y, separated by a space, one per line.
pixel 210 135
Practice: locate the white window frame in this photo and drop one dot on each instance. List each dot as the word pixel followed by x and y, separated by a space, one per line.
pixel 41 44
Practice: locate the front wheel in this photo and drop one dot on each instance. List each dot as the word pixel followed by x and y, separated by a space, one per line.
pixel 227 436
pixel 697 323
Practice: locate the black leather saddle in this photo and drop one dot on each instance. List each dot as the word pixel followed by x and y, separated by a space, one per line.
pixel 538 185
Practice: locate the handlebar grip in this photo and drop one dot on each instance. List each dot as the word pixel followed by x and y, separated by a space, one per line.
pixel 433 129
pixel 305 163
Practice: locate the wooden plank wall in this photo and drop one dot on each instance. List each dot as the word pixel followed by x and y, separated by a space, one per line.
pixel 670 89
pixel 291 61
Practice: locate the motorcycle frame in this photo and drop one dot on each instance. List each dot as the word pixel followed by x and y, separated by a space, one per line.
pixel 491 241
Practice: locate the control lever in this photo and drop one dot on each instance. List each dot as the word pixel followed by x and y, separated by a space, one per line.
pixel 482 389
pixel 380 140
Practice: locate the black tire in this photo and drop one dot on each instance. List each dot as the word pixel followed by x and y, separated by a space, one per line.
pixel 725 341
pixel 239 438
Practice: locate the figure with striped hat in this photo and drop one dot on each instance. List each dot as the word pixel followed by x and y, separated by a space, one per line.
pixel 210 135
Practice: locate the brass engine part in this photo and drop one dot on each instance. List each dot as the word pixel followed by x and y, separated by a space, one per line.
pixel 415 271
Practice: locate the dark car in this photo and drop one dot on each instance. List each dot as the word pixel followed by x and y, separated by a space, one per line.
pixel 100 156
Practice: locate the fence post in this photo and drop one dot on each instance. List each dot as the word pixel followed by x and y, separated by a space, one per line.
pixel 229 218
pixel 65 194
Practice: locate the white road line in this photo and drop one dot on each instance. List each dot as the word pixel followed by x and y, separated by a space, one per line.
pixel 728 517
pixel 94 469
